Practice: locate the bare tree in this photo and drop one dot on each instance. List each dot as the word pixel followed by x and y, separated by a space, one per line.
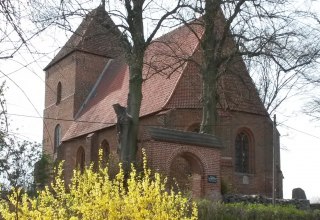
pixel 16 29
pixel 269 36
pixel 135 40
pixel 139 21
pixel 17 157
pixel 11 35
pixel 312 107
pixel 258 32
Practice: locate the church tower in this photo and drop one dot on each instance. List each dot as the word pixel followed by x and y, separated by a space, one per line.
pixel 72 73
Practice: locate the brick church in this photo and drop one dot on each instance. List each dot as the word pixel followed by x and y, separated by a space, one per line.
pixel 88 75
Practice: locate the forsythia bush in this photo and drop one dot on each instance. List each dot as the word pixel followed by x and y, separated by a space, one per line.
pixel 92 195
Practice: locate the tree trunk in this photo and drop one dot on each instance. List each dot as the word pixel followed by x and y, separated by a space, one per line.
pixel 134 104
pixel 209 99
pixel 128 132
pixel 128 118
pixel 209 69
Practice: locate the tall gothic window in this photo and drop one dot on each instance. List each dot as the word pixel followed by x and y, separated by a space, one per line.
pixel 59 91
pixel 57 138
pixel 242 160
pixel 105 149
pixel 80 161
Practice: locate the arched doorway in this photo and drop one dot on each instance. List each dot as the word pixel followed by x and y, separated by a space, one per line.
pixel 187 172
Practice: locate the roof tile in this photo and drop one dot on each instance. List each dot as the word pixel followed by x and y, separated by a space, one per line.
pixel 92 36
pixel 161 74
pixel 170 81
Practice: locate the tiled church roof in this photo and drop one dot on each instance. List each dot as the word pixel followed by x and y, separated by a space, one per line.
pixel 93 37
pixel 171 81
pixel 161 74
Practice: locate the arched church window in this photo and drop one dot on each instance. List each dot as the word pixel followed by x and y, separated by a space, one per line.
pixel 104 146
pixel 57 138
pixel 80 160
pixel 105 149
pixel 59 91
pixel 243 153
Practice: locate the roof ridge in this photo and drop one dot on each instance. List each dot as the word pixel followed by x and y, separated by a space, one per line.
pixel 193 22
pixel 77 40
pixel 91 93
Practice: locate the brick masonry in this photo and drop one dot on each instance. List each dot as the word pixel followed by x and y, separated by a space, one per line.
pixel 239 110
pixel 212 161
pixel 77 73
pixel 204 160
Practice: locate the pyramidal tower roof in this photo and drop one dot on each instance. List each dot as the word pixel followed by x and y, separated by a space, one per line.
pixel 97 34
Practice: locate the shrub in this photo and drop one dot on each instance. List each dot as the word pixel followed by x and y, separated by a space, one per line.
pixel 93 195
pixel 238 211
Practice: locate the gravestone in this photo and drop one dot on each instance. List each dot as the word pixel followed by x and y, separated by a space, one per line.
pixel 298 193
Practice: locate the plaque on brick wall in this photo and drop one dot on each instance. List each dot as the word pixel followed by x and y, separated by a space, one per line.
pixel 212 179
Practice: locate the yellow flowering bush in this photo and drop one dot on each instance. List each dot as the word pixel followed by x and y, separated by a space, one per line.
pixel 93 195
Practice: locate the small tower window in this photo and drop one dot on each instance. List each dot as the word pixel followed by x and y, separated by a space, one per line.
pixel 80 161
pixel 59 90
pixel 57 138
pixel 243 153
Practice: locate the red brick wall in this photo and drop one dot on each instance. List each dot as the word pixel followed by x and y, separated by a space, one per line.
pixel 260 128
pixel 64 72
pixel 228 126
pixel 77 73
pixel 259 181
pixel 161 155
pixel 69 155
